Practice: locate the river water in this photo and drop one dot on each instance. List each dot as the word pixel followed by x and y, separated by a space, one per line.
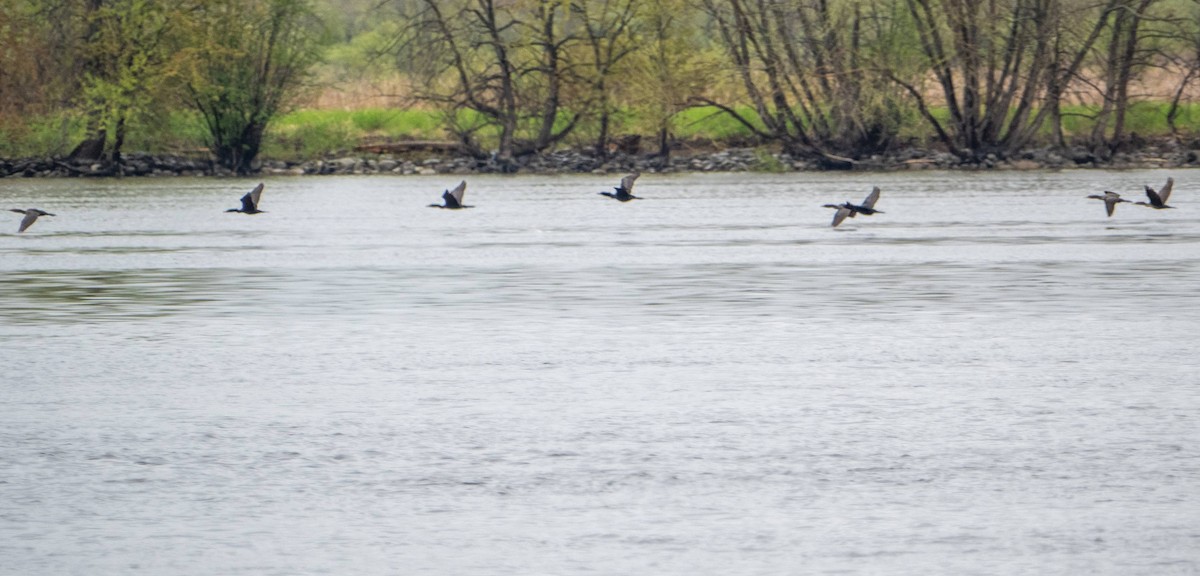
pixel 991 377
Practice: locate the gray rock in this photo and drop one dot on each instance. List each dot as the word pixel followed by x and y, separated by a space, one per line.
pixel 344 164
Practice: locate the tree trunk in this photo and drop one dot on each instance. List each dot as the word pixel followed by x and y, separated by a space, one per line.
pixel 1125 74
pixel 96 134
pixel 505 155
pixel 602 137
pixel 91 149
pixel 1174 110
pixel 1112 64
pixel 118 142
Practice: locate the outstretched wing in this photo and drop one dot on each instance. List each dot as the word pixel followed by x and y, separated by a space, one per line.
pixel 872 198
pixel 1155 199
pixel 458 192
pixel 256 194
pixel 1110 202
pixel 450 200
pixel 841 214
pixel 1165 192
pixel 627 182
pixel 248 204
pixel 27 221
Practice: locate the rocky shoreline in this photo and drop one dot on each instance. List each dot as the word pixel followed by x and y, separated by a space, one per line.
pixel 1167 155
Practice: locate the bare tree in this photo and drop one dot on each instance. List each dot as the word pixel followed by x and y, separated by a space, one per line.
pixel 549 75
pixel 1123 58
pixel 494 67
pixel 806 67
pixel 667 71
pixel 1182 60
pixel 609 28
pixel 1001 67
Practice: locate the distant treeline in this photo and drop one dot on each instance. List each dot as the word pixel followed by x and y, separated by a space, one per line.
pixel 825 79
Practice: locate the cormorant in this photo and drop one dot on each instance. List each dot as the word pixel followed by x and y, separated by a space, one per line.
pixel 31 216
pixel 250 201
pixel 847 209
pixel 624 192
pixel 1158 200
pixel 1111 199
pixel 453 198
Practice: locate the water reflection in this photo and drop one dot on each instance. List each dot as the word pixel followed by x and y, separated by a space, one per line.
pixel 727 289
pixel 69 295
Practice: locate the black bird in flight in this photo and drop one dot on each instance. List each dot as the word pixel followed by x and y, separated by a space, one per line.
pixel 847 209
pixel 453 198
pixel 250 201
pixel 1158 200
pixel 31 216
pixel 1111 199
pixel 624 192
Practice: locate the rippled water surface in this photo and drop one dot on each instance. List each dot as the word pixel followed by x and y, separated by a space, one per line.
pixel 989 378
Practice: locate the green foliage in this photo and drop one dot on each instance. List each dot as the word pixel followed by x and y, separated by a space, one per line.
pixel 1144 119
pixel 126 57
pixel 710 123
pixel 309 140
pixel 28 83
pixel 308 134
pixel 42 136
pixel 169 131
pixel 180 75
pixel 1147 118
pixel 365 52
pixel 766 161
pixel 372 120
pixel 250 61
pixel 53 135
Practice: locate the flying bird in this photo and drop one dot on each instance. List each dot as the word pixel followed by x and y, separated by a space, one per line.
pixel 1111 199
pixel 847 209
pixel 31 216
pixel 1158 200
pixel 624 192
pixel 250 201
pixel 453 198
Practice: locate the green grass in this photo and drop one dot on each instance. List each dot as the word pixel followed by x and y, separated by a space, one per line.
pixel 1146 119
pixel 41 136
pixel 310 134
pixel 175 132
pixel 55 135
pixel 1142 118
pixel 765 161
pixel 307 134
pixel 711 124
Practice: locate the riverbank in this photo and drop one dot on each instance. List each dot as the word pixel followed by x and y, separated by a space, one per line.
pixel 1165 154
